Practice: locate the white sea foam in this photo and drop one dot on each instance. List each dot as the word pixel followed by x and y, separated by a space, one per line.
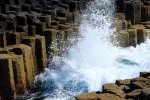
pixel 94 61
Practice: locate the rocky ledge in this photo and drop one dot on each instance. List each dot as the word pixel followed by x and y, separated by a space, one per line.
pixel 129 89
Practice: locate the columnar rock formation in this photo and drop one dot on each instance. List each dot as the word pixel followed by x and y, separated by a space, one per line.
pixel 30 32
pixel 33 30
pixel 132 21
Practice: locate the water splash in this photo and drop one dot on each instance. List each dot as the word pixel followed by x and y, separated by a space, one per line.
pixel 93 61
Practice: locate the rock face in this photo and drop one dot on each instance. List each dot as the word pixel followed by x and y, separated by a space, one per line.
pixel 33 30
pixel 7 83
pixel 128 89
pixel 19 73
pixel 37 43
pixel 30 32
pixel 29 67
pixel 133 22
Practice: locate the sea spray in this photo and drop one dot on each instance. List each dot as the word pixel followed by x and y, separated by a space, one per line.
pixel 94 60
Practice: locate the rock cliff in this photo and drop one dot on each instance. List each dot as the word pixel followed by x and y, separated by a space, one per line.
pixel 33 30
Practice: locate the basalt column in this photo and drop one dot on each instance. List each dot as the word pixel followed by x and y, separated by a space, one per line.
pixel 29 68
pixel 133 11
pixel 7 83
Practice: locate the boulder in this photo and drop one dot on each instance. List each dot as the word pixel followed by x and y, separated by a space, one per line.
pixel 107 96
pixel 145 94
pixel 135 94
pixel 125 88
pixel 88 96
pixel 140 83
pixel 140 79
pixel 95 96
pixel 144 74
pixel 113 89
pixel 123 82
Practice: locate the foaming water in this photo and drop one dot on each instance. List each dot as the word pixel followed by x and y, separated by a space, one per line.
pixel 93 61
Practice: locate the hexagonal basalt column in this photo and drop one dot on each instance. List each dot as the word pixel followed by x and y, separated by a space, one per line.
pixel 7 84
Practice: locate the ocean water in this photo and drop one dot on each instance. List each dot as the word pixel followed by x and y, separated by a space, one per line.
pixel 93 60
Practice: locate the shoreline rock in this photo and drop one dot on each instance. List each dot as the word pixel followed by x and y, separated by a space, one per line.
pixel 138 89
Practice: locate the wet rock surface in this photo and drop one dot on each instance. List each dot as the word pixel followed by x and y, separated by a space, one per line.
pixel 138 89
